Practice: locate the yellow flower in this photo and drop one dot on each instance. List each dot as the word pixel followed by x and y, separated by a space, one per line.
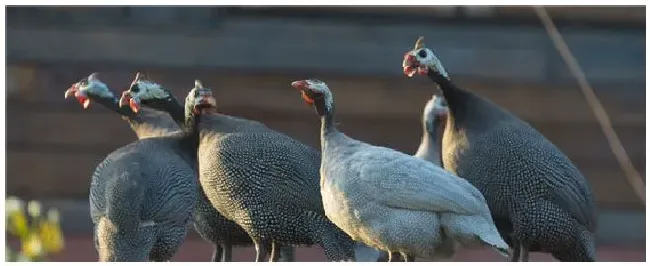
pixel 13 204
pixel 34 208
pixel 32 246
pixel 51 236
pixel 18 224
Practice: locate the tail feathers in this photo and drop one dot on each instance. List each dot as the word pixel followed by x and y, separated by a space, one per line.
pixel 473 230
pixel 495 242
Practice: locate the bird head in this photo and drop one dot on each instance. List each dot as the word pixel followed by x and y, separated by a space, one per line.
pixel 315 93
pixel 143 91
pixel 422 60
pixel 89 88
pixel 200 100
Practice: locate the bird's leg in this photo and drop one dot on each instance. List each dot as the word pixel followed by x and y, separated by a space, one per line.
pixel 407 257
pixel 524 252
pixel 275 252
pixel 262 250
pixel 217 253
pixel 393 256
pixel 516 250
pixel 226 255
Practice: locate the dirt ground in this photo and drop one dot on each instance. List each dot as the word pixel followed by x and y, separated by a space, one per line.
pixel 79 248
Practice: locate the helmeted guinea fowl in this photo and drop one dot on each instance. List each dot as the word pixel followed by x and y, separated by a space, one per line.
pixel 208 223
pixel 263 180
pixel 213 227
pixel 433 124
pixel 536 195
pixel 141 197
pixel 147 123
pixel 393 201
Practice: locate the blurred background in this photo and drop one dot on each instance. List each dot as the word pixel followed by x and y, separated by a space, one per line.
pixel 249 55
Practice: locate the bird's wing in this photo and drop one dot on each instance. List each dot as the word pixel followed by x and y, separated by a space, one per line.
pixel 402 181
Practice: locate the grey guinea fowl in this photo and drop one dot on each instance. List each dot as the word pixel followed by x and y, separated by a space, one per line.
pixel 392 201
pixel 208 223
pixel 263 180
pixel 213 227
pixel 433 123
pixel 141 197
pixel 537 196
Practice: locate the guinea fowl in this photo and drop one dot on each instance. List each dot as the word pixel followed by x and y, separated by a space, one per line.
pixel 433 122
pixel 147 123
pixel 393 201
pixel 208 223
pixel 537 196
pixel 142 194
pixel 263 180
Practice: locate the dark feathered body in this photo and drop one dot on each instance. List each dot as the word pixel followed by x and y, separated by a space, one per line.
pixel 531 187
pixel 148 123
pixel 266 182
pixel 139 207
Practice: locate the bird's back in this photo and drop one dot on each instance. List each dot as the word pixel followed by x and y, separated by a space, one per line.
pixel 512 162
pixel 155 167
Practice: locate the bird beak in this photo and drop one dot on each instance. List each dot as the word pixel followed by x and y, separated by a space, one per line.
pixel 300 84
pixel 409 65
pixel 81 96
pixel 133 103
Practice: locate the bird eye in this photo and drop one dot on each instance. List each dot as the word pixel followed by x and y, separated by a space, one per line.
pixel 422 53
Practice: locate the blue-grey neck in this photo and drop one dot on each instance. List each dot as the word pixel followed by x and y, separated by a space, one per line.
pixel 430 148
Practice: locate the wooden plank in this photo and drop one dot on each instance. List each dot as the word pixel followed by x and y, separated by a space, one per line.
pixel 47 175
pixel 70 129
pixel 608 13
pixel 383 96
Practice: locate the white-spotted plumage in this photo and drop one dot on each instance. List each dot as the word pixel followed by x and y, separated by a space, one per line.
pixel 537 196
pixel 263 180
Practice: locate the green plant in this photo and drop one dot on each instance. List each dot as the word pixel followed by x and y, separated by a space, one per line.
pixel 39 235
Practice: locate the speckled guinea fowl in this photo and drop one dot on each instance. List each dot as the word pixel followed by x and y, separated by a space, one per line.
pixel 393 201
pixel 142 194
pixel 213 227
pixel 263 180
pixel 146 122
pixel 536 195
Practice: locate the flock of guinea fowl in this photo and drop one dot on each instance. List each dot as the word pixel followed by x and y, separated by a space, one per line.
pixel 480 178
